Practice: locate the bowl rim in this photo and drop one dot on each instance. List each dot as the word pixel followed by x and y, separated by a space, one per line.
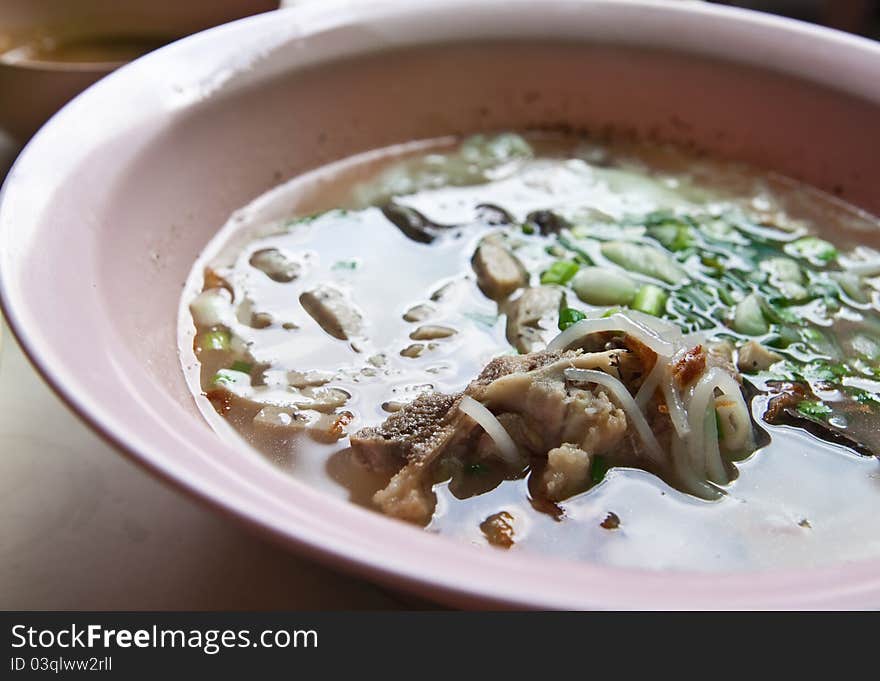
pixel 407 557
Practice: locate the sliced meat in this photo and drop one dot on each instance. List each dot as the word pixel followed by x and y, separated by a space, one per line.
pixel 547 221
pixel 275 265
pixel 531 399
pixel 413 224
pixel 432 332
pixel 490 214
pixel 499 272
pixel 418 313
pixel 567 472
pixel 753 356
pixel 556 411
pixel 308 379
pixel 720 354
pixel 417 432
pixel 334 312
pixel 531 318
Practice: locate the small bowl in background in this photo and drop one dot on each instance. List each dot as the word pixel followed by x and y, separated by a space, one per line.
pixel 50 50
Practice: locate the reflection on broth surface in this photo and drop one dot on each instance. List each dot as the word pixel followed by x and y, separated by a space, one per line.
pixel 676 368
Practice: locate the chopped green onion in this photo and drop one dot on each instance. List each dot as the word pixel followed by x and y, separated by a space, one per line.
pixel 820 342
pixel 214 340
pixel 865 346
pixel 672 233
pixel 645 260
pixel 782 269
pixel 569 316
pixel 603 286
pixel 725 296
pixel 528 229
pixel 231 378
pixel 812 248
pixel 851 284
pixel 243 367
pixel 785 275
pixel 813 409
pixel 748 317
pixel 559 272
pixel 650 299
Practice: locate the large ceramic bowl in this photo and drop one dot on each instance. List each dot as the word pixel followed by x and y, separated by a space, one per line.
pixel 108 206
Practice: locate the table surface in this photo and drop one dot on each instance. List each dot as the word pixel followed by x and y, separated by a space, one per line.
pixel 83 528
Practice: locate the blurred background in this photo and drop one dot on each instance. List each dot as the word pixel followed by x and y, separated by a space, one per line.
pixel 855 16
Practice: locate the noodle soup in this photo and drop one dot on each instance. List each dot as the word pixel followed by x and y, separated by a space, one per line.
pixel 610 352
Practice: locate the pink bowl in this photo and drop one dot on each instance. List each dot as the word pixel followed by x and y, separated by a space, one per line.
pixel 108 206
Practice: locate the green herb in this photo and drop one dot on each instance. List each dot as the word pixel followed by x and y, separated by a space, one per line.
pixel 826 372
pixel 650 299
pixel 345 265
pixel 865 397
pixel 820 342
pixel 598 468
pixel 243 367
pixel 477 469
pixel 306 219
pixel 569 316
pixel 559 272
pixel 528 229
pixel 813 409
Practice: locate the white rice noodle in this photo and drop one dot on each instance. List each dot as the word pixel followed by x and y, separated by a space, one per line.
pixel 736 425
pixel 689 480
pixel 677 412
pixel 661 376
pixel 645 334
pixel 649 385
pixel 626 402
pixel 490 423
pixel 705 453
